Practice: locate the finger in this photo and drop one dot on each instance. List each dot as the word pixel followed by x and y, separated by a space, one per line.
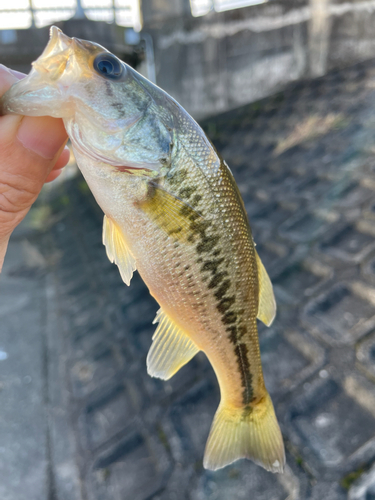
pixel 7 79
pixel 53 175
pixel 17 74
pixel 42 135
pixel 63 159
pixel 30 148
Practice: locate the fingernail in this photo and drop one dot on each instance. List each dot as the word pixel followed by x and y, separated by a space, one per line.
pixel 17 74
pixel 43 135
pixel 7 78
pixel 12 72
pixel 4 69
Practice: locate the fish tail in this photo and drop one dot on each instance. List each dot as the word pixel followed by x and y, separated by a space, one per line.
pixel 248 432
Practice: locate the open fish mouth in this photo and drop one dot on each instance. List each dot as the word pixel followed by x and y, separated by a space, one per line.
pixel 54 58
pixel 45 91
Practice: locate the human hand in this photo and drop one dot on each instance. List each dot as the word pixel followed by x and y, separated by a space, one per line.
pixel 32 152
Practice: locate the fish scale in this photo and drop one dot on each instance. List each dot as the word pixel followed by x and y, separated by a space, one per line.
pixel 172 211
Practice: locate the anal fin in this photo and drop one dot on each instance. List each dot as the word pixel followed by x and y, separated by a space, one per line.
pixel 170 350
pixel 117 249
pixel 267 303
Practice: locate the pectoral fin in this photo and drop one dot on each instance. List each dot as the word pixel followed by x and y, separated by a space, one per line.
pixel 267 303
pixel 117 249
pixel 170 350
pixel 169 212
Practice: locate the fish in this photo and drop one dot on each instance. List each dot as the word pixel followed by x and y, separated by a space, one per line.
pixel 173 211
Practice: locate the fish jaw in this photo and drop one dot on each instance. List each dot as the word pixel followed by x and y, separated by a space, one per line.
pixel 30 96
pixel 47 90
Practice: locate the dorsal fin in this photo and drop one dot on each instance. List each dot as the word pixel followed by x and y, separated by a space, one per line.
pixel 117 249
pixel 170 350
pixel 267 303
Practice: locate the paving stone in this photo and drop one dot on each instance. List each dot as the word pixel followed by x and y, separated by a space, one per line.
pixel 368 269
pixel 288 358
pixel 343 314
pixel 191 417
pixel 329 424
pixel 300 280
pixel 349 193
pixel 93 369
pixel 366 356
pixel 350 243
pixel 23 420
pixel 238 482
pixel 107 413
pixel 272 255
pixel 304 227
pixel 311 186
pixel 364 487
pixel 133 468
pixel 271 213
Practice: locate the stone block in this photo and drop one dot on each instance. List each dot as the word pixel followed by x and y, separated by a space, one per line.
pixel 107 413
pixel 330 422
pixel 343 314
pixel 350 242
pixel 132 468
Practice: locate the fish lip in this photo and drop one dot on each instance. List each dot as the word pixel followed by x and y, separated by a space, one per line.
pixel 30 96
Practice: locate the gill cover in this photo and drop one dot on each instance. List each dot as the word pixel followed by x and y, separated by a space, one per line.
pixel 109 110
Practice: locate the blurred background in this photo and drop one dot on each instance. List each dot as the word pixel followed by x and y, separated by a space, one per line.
pixel 286 92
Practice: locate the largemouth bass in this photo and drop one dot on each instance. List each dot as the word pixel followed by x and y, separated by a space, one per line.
pixel 172 211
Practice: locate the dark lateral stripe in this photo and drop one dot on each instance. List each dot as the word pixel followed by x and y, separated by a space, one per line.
pixel 241 352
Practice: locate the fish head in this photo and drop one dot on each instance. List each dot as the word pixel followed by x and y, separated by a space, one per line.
pixel 108 109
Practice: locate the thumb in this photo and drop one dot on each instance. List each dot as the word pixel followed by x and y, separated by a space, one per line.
pixel 29 148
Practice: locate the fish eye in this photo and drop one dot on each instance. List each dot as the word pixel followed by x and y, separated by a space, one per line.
pixel 109 66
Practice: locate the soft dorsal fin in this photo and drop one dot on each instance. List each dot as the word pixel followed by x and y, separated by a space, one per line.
pixel 267 303
pixel 169 212
pixel 117 249
pixel 170 350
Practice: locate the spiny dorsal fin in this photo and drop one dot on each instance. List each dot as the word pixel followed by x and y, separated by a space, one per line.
pixel 267 303
pixel 117 249
pixel 170 350
pixel 169 212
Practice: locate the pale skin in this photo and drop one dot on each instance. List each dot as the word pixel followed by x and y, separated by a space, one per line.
pixel 32 152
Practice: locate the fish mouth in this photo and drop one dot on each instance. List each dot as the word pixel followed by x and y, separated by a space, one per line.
pixel 30 96
pixel 57 44
pixel 41 93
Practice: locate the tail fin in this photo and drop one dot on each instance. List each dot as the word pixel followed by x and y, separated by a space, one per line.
pixel 245 433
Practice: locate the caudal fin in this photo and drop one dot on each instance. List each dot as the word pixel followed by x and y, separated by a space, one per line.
pixel 245 433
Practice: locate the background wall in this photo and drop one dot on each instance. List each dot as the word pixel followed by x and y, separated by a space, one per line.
pixel 222 60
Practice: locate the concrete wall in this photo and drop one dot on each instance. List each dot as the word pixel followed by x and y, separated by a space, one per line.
pixel 222 60
pixel 18 48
